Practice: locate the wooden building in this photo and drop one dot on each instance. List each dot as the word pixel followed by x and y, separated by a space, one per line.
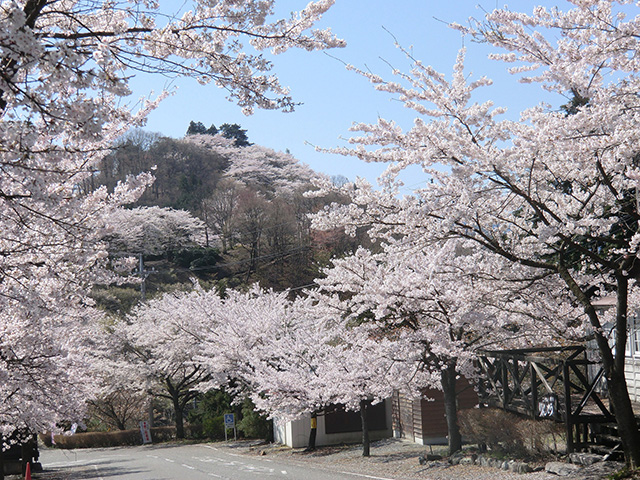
pixel 423 420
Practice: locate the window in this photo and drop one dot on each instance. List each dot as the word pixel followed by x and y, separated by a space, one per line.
pixel 632 348
pixel 338 420
pixel 635 347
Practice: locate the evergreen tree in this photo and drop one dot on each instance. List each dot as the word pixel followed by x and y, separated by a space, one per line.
pixel 196 128
pixel 234 131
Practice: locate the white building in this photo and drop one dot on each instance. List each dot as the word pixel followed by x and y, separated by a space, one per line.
pixel 335 427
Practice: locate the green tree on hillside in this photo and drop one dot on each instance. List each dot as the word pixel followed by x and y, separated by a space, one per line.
pixel 232 131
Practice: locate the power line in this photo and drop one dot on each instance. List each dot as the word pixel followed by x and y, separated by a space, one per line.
pixel 248 260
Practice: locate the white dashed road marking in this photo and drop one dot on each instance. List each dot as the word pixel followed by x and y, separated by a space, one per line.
pixel 96 469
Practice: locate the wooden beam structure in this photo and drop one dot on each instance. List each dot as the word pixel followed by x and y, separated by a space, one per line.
pixel 559 384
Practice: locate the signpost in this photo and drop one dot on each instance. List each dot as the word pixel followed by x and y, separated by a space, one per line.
pixel 230 422
pixel 145 430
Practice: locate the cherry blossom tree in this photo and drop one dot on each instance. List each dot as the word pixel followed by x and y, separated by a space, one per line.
pixel 45 375
pixel 360 368
pixel 277 347
pixel 291 357
pixel 437 305
pixel 152 230
pixel 50 257
pixel 63 88
pixel 554 191
pixel 274 173
pixel 116 398
pixel 162 338
pixel 186 342
pixel 95 45
pixel 278 173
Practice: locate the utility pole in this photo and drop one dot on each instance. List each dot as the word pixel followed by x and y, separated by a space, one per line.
pixel 143 293
pixel 143 275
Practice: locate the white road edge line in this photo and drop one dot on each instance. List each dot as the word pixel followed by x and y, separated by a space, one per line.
pixel 366 476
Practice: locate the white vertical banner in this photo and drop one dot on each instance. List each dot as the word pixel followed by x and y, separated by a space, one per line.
pixel 145 430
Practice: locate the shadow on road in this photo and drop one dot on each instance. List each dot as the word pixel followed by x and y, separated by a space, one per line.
pixel 93 471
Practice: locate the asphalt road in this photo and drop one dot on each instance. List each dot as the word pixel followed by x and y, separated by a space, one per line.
pixel 177 462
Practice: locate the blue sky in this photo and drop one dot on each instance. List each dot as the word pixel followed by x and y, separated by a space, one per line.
pixel 332 97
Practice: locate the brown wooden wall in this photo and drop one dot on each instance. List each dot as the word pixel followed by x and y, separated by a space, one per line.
pixel 406 416
pixel 423 419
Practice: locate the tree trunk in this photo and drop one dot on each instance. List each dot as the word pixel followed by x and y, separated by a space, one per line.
pixel 366 443
pixel 179 410
pixel 120 424
pixel 313 432
pixel 448 381
pixel 270 436
pixel 618 391
pixel 2 459
pixel 625 418
pixel 150 416
pixel 613 364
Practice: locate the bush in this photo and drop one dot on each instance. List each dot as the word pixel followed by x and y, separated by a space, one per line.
pixel 210 413
pixel 194 431
pixel 116 300
pixel 213 426
pixel 163 434
pixel 253 424
pixel 112 439
pixel 94 439
pixel 503 431
pixel 196 257
pixel 541 437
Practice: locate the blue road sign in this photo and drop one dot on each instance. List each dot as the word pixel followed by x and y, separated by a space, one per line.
pixel 229 420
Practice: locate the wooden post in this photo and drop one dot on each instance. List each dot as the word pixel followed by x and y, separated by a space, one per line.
pixel 483 396
pixel 505 382
pixel 568 420
pixel 534 392
pixel 585 433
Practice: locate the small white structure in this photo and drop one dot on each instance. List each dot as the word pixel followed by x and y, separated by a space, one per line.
pixel 296 434
pixel 632 350
pixel 632 360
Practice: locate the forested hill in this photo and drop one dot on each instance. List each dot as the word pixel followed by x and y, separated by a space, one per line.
pixel 241 215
